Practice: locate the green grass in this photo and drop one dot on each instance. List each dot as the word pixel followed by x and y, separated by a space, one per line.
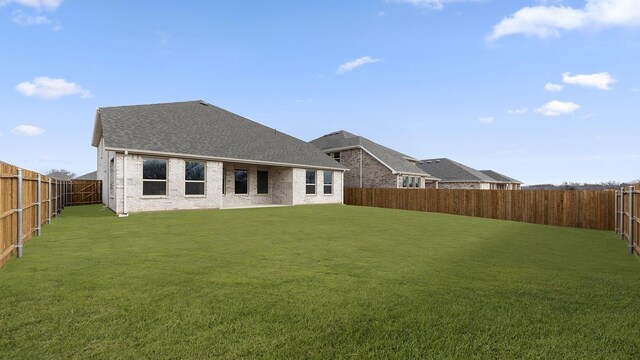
pixel 317 282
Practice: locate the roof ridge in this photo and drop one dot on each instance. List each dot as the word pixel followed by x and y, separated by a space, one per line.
pixel 154 104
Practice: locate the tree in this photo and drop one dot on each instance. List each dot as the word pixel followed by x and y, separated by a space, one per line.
pixel 62 174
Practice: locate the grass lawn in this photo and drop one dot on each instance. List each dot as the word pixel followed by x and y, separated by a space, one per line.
pixel 323 281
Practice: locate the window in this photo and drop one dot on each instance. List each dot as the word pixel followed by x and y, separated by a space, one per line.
pixel 242 179
pixel 405 181
pixel 328 182
pixel 263 182
pixel 154 176
pixel 336 156
pixel 193 178
pixel 311 182
pixel 418 182
pixel 411 181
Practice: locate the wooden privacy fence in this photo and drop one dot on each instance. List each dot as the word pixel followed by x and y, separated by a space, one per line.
pixel 571 208
pixel 29 200
pixel 627 216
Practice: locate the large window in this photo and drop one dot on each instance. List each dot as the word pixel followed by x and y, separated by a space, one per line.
pixel 411 181
pixel 311 182
pixel 154 176
pixel 193 178
pixel 328 182
pixel 418 182
pixel 405 181
pixel 263 182
pixel 242 181
pixel 336 156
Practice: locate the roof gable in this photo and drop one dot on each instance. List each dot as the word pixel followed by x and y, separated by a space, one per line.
pixel 394 160
pixel 201 129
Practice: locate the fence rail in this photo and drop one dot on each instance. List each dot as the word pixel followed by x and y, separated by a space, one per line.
pixel 570 208
pixel 29 200
pixel 627 216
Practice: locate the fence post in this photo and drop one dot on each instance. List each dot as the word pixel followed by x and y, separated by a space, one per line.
pixel 56 201
pixel 39 227
pixel 615 216
pixel 49 206
pixel 631 238
pixel 19 211
pixel 621 226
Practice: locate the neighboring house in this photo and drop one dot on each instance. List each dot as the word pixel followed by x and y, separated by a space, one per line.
pixel 88 176
pixel 193 155
pixel 455 175
pixel 504 182
pixel 372 165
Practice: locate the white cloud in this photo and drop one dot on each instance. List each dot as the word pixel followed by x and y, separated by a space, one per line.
pixel 555 108
pixel 353 64
pixel 517 111
pixel 553 87
pixel 27 130
pixel 599 81
pixel 28 20
pixel 49 88
pixel 35 4
pixel 487 119
pixel 548 21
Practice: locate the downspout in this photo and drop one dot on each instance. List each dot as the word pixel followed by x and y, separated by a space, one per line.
pixel 124 186
pixel 360 167
pixel 342 191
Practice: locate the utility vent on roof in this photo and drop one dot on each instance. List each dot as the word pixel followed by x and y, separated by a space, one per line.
pixel 437 161
pixel 203 103
pixel 429 162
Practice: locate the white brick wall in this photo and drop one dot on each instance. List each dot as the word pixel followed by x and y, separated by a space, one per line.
pixel 286 186
pixel 299 188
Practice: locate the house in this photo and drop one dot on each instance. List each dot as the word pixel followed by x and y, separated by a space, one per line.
pixel 193 155
pixel 504 182
pixel 455 175
pixel 373 165
pixel 88 176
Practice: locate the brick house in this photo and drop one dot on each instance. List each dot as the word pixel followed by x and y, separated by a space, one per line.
pixel 455 175
pixel 373 165
pixel 193 155
pixel 505 182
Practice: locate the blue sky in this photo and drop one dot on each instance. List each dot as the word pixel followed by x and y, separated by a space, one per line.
pixel 543 91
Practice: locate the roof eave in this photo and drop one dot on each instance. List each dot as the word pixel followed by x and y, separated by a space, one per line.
pixel 97 130
pixel 216 158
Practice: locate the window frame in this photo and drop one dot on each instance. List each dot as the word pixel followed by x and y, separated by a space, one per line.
pixel 235 182
pixel 336 156
pixel 165 180
pixel 203 181
pixel 309 185
pixel 405 181
pixel 258 172
pixel 325 184
pixel 418 181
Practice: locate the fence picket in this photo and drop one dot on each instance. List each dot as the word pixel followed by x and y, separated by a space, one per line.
pixel 569 208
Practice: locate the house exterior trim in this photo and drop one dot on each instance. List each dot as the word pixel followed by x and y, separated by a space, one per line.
pixel 214 158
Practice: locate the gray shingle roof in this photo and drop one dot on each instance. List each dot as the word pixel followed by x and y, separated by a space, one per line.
pixel 500 177
pixel 201 129
pixel 395 160
pixel 449 170
pixel 88 176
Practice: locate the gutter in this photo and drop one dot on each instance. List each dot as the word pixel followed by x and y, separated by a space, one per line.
pixel 222 159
